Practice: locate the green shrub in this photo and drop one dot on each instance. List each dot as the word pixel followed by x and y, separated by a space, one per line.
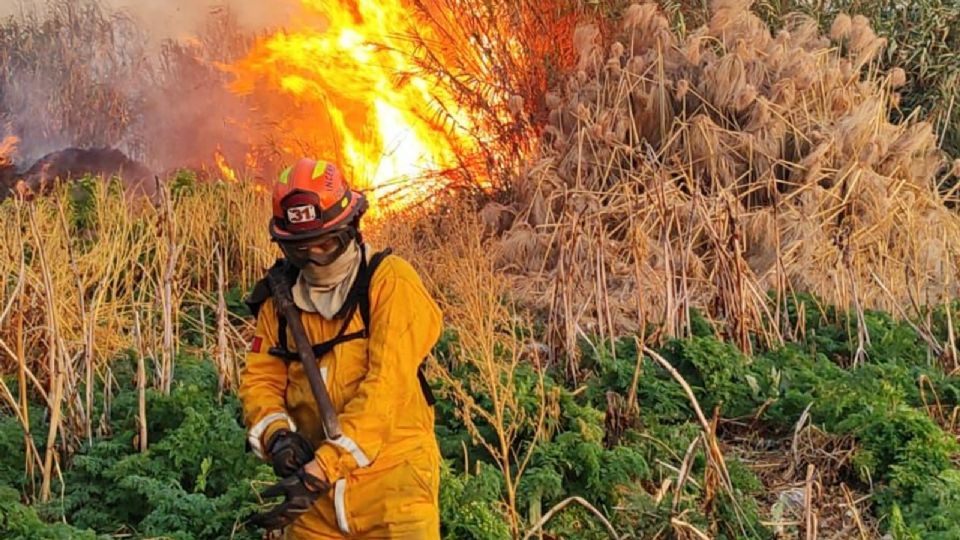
pixel 469 504
pixel 19 522
pixel 932 513
pixel 194 482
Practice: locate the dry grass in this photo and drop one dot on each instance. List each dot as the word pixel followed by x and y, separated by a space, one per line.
pixel 79 292
pixel 706 171
pixel 457 265
pixel 921 44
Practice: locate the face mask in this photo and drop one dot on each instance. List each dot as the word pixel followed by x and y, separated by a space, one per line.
pixel 321 251
pixel 334 273
pixel 324 289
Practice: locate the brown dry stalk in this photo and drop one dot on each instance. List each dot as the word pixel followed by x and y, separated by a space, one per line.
pixel 142 441
pixel 854 511
pixel 810 516
pixel 55 366
pixel 169 233
pixel 715 460
pixel 31 454
pixel 86 329
pixel 227 370
pixel 678 523
pixel 685 470
pixel 563 504
pixel 937 412
pixel 954 422
pixel 951 349
pixel 632 404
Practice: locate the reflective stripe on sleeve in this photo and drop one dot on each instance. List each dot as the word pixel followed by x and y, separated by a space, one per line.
pixel 350 445
pixel 256 432
pixel 339 504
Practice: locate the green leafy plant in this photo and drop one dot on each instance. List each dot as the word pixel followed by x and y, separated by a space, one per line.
pixel 194 481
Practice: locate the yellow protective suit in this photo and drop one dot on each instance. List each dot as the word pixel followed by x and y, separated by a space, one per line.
pixel 385 468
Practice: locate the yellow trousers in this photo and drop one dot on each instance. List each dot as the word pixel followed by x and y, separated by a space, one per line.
pixel 400 503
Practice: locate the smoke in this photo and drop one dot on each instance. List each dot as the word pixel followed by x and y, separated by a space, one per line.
pixel 64 77
pixel 180 19
pixel 142 76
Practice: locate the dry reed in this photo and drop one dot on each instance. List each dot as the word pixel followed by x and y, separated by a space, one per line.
pixel 704 171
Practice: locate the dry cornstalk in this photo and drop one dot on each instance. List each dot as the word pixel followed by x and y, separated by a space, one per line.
pixel 632 404
pixel 169 233
pixel 55 365
pixel 227 368
pixel 31 455
pixel 683 525
pixel 951 350
pixel 685 470
pixel 141 386
pixel 203 326
pixel 86 329
pixel 108 380
pixel 810 517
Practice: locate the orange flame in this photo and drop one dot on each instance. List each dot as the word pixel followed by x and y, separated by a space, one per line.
pixel 351 92
pixel 228 174
pixel 8 147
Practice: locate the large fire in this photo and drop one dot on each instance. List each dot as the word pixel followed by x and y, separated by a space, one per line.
pixel 347 84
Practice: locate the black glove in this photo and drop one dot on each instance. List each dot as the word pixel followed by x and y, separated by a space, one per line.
pixel 299 492
pixel 289 451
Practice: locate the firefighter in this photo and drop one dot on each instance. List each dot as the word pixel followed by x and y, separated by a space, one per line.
pixel 373 323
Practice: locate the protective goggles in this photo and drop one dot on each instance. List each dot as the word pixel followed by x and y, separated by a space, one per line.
pixel 321 250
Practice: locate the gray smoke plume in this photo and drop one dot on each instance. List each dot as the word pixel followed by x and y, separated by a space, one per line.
pixel 178 19
pixel 141 76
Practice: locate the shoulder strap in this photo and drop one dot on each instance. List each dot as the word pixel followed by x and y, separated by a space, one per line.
pixel 363 299
pixel 261 289
pixel 358 297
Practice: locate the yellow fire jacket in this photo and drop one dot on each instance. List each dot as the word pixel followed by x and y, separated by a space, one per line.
pixel 388 426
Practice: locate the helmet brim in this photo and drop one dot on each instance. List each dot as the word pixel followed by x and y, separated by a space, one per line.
pixel 286 236
pixel 358 206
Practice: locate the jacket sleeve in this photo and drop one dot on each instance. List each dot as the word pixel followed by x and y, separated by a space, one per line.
pixel 405 324
pixel 263 383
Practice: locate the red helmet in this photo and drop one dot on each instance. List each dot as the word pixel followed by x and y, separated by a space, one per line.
pixel 312 198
